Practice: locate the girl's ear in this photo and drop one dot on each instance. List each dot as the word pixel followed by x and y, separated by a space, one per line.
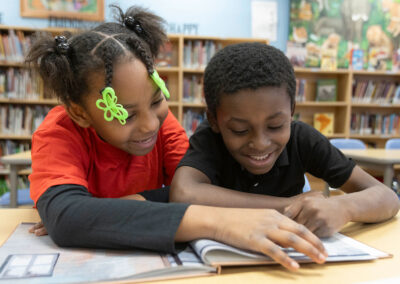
pixel 213 121
pixel 79 115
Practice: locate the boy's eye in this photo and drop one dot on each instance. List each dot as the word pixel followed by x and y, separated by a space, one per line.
pixel 275 127
pixel 239 132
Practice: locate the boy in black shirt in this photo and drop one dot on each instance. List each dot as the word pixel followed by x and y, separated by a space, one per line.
pixel 251 154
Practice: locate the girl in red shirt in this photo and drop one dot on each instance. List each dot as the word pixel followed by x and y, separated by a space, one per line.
pixel 114 138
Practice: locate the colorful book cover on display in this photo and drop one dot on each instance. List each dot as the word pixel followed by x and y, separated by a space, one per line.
pixel 326 90
pixel 324 122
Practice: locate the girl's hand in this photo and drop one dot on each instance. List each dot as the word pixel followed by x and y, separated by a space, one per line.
pixel 263 230
pixel 38 229
pixel 322 216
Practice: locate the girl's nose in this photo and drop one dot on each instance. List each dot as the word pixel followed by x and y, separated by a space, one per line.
pixel 148 122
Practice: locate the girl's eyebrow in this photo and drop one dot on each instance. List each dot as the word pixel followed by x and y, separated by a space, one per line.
pixel 153 96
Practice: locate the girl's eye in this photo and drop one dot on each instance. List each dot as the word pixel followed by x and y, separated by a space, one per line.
pixel 131 116
pixel 157 102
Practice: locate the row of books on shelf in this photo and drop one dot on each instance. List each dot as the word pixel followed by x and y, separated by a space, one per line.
pixel 193 89
pixel 14 45
pixel 197 53
pixel 375 124
pixel 369 91
pixel 191 120
pixel 300 90
pixel 16 83
pixel 21 120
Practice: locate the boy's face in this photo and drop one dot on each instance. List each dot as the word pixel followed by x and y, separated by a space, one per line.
pixel 145 103
pixel 255 126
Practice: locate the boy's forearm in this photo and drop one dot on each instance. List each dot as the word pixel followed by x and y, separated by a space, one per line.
pixel 375 204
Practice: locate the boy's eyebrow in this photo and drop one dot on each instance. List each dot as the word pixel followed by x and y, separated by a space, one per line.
pixel 269 117
pixel 153 96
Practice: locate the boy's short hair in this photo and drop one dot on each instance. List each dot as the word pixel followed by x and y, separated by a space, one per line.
pixel 247 66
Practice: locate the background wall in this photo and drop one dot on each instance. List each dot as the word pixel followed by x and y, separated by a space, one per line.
pixel 220 18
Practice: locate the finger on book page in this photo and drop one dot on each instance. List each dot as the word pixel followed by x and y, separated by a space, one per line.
pixel 38 225
pixel 267 247
pixel 304 233
pixel 289 239
pixel 41 232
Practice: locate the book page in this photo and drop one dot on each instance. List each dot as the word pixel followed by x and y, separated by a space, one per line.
pixel 75 265
pixel 339 248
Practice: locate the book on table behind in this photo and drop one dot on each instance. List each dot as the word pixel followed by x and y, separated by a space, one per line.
pixel 25 256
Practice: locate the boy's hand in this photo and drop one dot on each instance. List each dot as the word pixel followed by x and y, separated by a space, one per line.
pixel 322 216
pixel 38 229
pixel 263 230
pixel 134 197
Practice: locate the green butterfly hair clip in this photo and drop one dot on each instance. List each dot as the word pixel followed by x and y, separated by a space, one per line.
pixel 110 107
pixel 160 83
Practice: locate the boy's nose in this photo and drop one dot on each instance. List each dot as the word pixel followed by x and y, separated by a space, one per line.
pixel 260 142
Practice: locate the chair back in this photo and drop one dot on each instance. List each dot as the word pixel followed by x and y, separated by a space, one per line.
pixel 393 143
pixel 345 143
pixel 307 186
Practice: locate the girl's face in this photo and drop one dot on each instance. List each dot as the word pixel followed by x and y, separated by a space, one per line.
pixel 255 126
pixel 141 97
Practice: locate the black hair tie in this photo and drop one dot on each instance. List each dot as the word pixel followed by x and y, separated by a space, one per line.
pixel 134 25
pixel 62 45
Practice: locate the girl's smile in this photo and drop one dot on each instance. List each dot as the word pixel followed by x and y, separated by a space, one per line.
pixel 145 144
pixel 144 102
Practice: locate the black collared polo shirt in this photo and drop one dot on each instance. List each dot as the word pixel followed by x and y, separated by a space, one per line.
pixel 306 151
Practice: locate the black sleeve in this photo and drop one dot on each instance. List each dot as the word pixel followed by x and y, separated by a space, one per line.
pixel 157 195
pixel 205 152
pixel 74 218
pixel 322 159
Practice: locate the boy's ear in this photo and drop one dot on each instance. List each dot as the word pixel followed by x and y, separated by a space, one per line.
pixel 213 121
pixel 78 115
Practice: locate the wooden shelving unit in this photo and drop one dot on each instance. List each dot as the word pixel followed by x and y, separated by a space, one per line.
pixel 344 107
pixel 178 71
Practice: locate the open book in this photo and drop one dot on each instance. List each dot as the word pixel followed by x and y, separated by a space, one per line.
pixel 25 255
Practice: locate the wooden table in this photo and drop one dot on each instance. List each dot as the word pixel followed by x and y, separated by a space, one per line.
pixel 383 236
pixel 16 163
pixel 377 159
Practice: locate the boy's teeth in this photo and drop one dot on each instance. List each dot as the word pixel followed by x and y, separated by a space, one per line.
pixel 260 157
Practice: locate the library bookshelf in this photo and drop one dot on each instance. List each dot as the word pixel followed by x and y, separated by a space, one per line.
pixel 23 103
pixel 182 67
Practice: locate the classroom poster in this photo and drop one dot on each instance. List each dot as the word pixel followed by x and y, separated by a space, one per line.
pixel 326 34
pixel 264 20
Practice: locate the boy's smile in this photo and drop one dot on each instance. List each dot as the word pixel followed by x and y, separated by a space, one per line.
pixel 255 126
